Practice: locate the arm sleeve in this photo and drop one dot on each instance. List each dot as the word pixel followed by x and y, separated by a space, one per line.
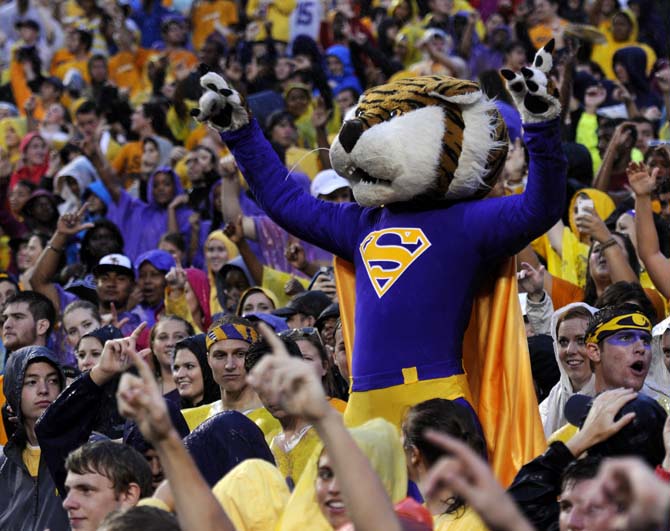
pixel 505 225
pixel 538 484
pixel 67 424
pixel 540 313
pixel 333 227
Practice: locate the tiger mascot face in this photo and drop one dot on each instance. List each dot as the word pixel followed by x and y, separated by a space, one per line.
pixel 434 137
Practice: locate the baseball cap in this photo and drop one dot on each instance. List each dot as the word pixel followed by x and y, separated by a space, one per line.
pixel 643 436
pixel 332 310
pixel 276 323
pixel 326 182
pixel 161 260
pixel 308 303
pixel 114 262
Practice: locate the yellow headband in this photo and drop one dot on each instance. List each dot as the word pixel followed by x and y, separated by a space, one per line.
pixel 231 331
pixel 629 321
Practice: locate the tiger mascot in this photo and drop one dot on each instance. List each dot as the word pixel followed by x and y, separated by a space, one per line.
pixel 420 155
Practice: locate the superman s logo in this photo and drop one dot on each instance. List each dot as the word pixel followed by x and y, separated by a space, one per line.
pixel 388 253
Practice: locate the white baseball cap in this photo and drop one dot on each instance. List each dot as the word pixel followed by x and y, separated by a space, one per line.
pixel 326 182
pixel 114 262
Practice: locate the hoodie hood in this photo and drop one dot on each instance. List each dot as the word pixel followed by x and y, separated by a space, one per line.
pixel 176 182
pixel 551 409
pixel 15 371
pixel 81 169
pixel 348 77
pixel 634 61
pixel 98 188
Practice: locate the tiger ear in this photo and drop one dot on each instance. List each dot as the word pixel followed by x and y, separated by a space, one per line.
pixel 454 90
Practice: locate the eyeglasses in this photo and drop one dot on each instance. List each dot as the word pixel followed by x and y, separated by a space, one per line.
pixel 298 333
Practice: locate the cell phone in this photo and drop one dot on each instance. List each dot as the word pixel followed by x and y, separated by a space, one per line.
pixel 584 204
pixel 656 143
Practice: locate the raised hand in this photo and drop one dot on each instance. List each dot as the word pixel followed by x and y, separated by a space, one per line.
pixel 70 223
pixel 641 181
pixel 220 106
pixel 179 200
pixel 466 474
pixel 591 224
pixel 116 357
pixel 288 381
pixel 176 278
pixel 234 230
pixel 531 281
pixel 139 399
pixel 295 254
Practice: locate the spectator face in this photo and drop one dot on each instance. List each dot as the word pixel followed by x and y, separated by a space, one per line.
pixel 345 100
pixel 226 358
pixel 257 302
pixel 152 284
pixel 163 189
pixel 19 328
pixel 311 355
pixel 102 242
pixel 284 133
pixel 621 28
pixel 98 71
pixel 36 151
pixel 28 34
pixel 78 323
pixel 205 159
pixel 188 376
pixel 138 121
pixel 113 286
pixel 575 514
pixel 40 388
pixel 88 352
pixel 209 54
pixel 516 58
pixel 22 262
pixel 150 156
pixel 173 250
pixel 236 283
pixel 622 360
pixel 43 210
pixel 7 289
pixel 544 10
pixel 297 101
pixel 341 195
pixel 48 92
pixel 157 475
pixel 572 351
pixel 328 494
pixel 90 497
pixel 175 34
pixel 12 139
pixel 625 224
pixel 283 68
pixel 195 170
pixel 168 333
pixel 645 133
pixel 216 254
pixel 300 320
pixel 334 65
pixel 340 356
pixel 33 250
pixel 55 114
pixel 621 73
pixel 666 349
pixel 598 266
pixel 18 197
pixel 663 165
pixel 328 331
pixel 87 123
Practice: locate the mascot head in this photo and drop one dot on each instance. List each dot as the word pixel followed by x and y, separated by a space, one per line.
pixel 432 137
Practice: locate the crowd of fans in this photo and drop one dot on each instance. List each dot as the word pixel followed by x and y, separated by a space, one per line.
pixel 173 359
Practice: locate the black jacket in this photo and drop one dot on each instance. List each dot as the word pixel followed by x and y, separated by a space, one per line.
pixel 538 484
pixel 26 503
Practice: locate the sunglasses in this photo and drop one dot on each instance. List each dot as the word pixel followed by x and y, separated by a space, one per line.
pixel 299 333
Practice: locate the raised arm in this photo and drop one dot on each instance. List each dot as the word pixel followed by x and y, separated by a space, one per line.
pixel 230 199
pixel 140 399
pixel 643 184
pixel 47 263
pixel 235 232
pixel 91 147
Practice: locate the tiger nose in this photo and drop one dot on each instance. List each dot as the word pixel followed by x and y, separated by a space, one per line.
pixel 350 133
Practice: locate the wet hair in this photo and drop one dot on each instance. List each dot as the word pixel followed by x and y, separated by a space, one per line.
pixel 580 470
pixel 119 463
pixel 261 348
pixel 39 306
pixel 140 517
pixel 445 416
pixel 82 305
pixel 590 294
pixel 578 312
pixel 176 239
pixel 631 292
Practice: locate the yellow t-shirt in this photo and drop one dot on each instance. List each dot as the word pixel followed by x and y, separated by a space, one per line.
pixel 206 14
pixel 31 458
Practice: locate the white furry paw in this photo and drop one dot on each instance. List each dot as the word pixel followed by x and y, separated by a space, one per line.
pixel 533 92
pixel 220 106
